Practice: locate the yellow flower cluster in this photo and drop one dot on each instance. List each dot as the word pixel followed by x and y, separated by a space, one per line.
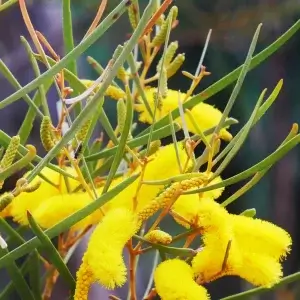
pixel 232 244
pixel 235 244
pixel 205 115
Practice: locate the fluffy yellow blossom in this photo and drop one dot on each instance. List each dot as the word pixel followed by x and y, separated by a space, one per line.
pixel 211 262
pixel 188 206
pixel 104 252
pixel 165 160
pixel 202 213
pixel 158 236
pixel 55 209
pixel 205 115
pixel 174 280
pixel 260 270
pixel 30 201
pixel 186 210
pixel 255 235
pixel 238 245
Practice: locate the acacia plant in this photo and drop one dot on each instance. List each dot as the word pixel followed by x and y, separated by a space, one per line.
pixel 124 188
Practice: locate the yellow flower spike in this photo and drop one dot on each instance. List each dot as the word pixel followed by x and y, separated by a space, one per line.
pixel 175 65
pixel 255 235
pixel 104 252
pixel 189 206
pixel 55 209
pixel 46 133
pixel 206 115
pixel 132 15
pixel 169 197
pixel 81 134
pixel 5 207
pixel 9 155
pixel 31 187
pixel 84 279
pixel 159 39
pixel 10 152
pixel 163 85
pixel 158 236
pixel 30 201
pixel 171 50
pixel 121 114
pixel 166 198
pixel 216 193
pixel 112 91
pixel 154 147
pixel 115 93
pixel 174 280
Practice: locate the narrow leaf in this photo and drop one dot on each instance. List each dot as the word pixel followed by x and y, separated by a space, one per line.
pixel 123 140
pixel 68 33
pixel 53 254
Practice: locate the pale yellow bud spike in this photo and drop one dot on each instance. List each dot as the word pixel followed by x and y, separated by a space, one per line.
pixel 10 152
pixel 81 134
pixel 175 65
pixel 132 15
pixel 169 55
pixel 159 39
pixel 46 133
pixel 154 147
pixel 169 196
pixel 158 236
pixel 29 188
pixel 121 113
pixel 5 200
pixel 163 83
